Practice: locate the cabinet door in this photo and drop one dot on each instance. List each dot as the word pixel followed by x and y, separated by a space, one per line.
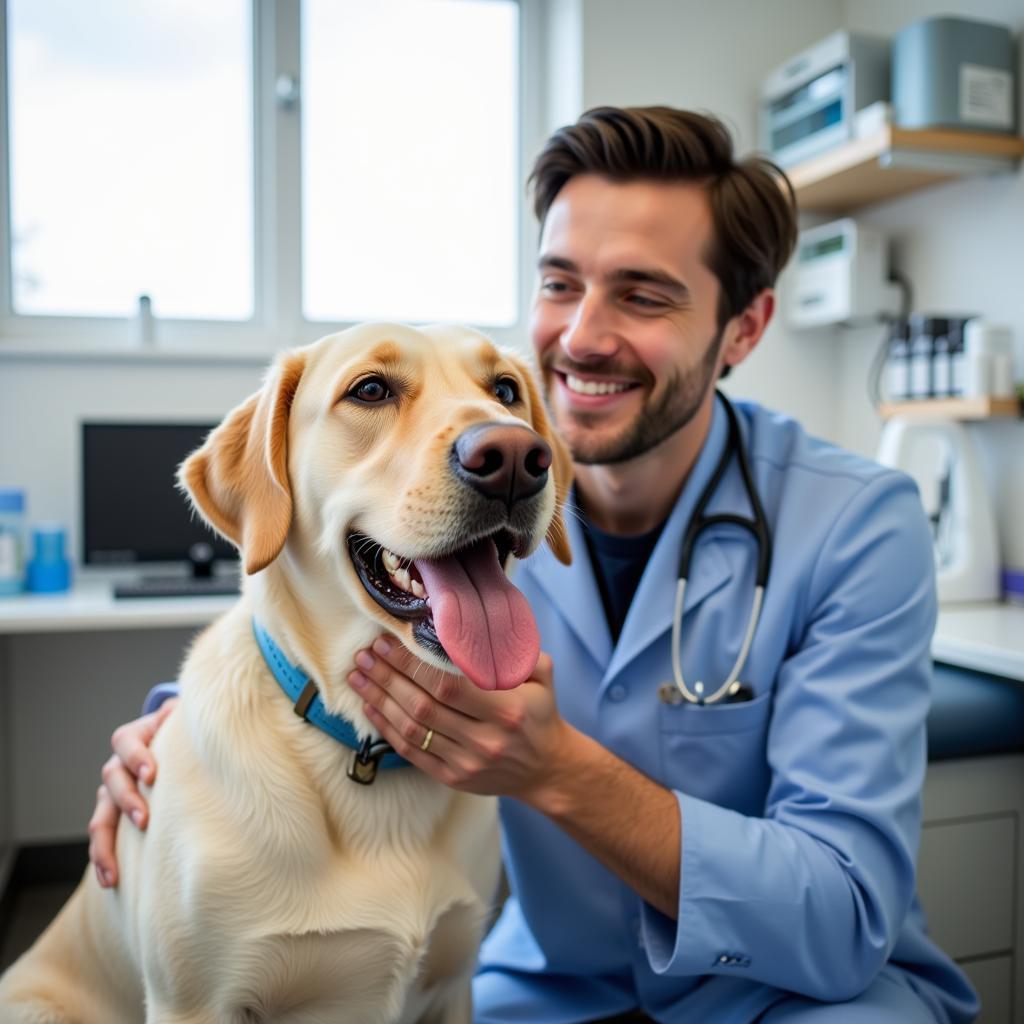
pixel 992 977
pixel 966 884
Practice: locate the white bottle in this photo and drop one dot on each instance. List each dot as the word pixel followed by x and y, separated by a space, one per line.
pixel 987 351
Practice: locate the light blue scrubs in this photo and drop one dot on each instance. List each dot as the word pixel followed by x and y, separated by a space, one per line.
pixel 800 809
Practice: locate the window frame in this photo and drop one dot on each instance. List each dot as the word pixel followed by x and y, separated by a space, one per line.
pixel 277 319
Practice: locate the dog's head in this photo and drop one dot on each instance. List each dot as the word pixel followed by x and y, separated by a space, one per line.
pixel 404 467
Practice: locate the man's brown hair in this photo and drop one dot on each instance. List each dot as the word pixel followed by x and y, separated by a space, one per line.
pixel 753 207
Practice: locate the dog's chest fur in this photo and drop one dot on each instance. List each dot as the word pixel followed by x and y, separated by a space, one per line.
pixel 300 895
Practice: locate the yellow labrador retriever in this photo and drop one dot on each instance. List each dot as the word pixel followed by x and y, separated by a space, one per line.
pixel 382 477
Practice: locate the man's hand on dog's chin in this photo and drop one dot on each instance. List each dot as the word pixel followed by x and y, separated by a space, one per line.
pixel 494 742
pixel 119 794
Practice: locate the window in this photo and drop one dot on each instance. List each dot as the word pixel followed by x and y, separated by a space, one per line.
pixel 131 157
pixel 261 169
pixel 409 160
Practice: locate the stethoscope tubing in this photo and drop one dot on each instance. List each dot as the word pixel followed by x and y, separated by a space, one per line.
pixel 758 527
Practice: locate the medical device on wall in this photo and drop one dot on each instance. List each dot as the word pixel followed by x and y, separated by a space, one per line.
pixel 841 274
pixel 808 105
pixel 956 498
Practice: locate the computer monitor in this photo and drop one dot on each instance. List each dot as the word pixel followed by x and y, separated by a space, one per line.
pixel 132 511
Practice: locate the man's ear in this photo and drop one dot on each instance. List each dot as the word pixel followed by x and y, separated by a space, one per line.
pixel 750 325
pixel 238 479
pixel 561 467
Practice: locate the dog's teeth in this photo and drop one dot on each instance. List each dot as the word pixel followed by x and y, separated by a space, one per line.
pixel 391 561
pixel 402 578
pixel 418 588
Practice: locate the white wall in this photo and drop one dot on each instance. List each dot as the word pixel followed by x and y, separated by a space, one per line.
pixel 43 401
pixel 713 57
pixel 961 245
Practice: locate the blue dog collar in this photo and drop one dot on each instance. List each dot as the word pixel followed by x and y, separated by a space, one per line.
pixel 368 755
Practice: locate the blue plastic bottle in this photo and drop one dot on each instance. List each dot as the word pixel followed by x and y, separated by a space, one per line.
pixel 12 540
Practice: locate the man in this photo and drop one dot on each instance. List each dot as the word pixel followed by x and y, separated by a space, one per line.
pixel 732 860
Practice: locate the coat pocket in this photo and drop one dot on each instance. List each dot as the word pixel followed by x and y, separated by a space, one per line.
pixel 702 720
pixel 717 752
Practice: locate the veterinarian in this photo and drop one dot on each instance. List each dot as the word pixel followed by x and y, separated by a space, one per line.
pixel 676 849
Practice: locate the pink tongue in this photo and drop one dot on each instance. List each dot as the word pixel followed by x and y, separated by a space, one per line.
pixel 484 623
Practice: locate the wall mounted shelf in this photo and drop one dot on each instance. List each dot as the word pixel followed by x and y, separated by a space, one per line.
pixel 953 409
pixel 894 161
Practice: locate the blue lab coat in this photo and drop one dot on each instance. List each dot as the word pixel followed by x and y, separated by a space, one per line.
pixel 800 809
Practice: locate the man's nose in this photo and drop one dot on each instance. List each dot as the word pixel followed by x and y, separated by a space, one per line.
pixel 589 336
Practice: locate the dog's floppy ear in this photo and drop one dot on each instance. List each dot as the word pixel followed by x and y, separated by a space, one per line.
pixel 561 466
pixel 238 480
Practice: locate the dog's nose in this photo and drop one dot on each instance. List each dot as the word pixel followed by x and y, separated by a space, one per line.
pixel 502 460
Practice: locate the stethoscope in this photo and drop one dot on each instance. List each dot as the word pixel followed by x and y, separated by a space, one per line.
pixel 732 690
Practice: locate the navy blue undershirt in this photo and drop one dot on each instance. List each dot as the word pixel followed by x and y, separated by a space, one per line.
pixel 618 563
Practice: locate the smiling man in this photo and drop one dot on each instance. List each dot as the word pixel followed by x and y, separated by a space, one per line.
pixel 700 823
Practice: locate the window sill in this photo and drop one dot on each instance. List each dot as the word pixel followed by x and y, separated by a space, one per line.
pixel 40 351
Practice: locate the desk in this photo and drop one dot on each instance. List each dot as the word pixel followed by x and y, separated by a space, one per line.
pixel 72 667
pixel 91 606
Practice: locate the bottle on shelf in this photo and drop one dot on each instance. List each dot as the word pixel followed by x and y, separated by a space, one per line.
pixel 897 363
pixel 12 540
pixel 922 339
pixel 941 368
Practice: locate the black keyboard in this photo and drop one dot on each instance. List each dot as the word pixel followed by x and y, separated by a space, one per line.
pixel 174 586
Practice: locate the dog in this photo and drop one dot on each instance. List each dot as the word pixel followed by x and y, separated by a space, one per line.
pixel 382 479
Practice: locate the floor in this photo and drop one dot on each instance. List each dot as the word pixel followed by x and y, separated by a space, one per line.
pixel 33 908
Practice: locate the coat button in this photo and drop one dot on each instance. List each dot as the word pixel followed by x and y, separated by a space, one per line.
pixel 618 693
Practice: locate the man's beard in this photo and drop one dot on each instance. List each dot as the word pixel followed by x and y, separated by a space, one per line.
pixel 678 404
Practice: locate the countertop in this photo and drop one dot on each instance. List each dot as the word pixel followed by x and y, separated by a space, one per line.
pixel 986 637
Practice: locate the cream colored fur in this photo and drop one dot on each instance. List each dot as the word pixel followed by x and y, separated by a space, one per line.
pixel 268 886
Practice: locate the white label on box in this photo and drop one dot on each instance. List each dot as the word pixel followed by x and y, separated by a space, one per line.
pixel 985 96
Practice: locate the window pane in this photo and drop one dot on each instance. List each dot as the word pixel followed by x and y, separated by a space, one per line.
pixel 131 157
pixel 409 160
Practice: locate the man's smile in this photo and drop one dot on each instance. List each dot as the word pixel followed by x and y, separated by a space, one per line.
pixel 592 391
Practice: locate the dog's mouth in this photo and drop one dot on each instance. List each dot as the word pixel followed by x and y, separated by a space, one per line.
pixel 461 604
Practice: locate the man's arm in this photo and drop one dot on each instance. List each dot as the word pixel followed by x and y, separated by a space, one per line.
pixel 626 820
pixel 514 743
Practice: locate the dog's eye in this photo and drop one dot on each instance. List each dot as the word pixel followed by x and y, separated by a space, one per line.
pixel 506 390
pixel 371 390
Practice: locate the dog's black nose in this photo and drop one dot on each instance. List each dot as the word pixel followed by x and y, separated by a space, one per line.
pixel 502 460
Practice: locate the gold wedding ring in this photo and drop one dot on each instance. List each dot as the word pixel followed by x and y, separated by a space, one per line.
pixel 425 745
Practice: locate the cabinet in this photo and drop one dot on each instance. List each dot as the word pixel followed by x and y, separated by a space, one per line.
pixel 971 874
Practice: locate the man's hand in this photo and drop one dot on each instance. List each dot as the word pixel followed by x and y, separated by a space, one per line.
pixel 515 743
pixel 500 742
pixel 119 793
